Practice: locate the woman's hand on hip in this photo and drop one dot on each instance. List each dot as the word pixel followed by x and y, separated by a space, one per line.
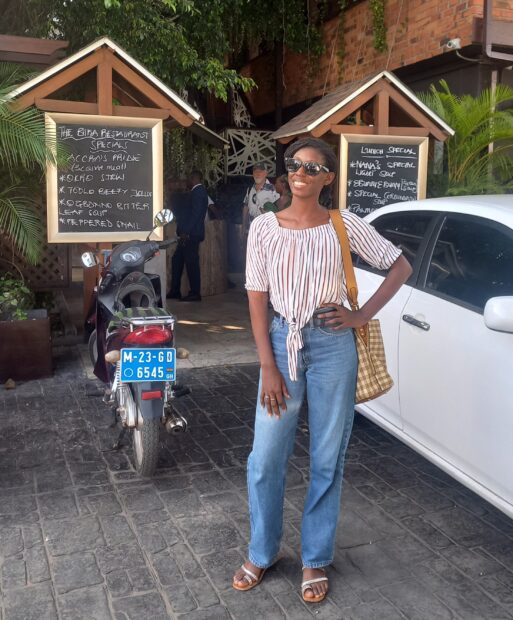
pixel 342 317
pixel 273 391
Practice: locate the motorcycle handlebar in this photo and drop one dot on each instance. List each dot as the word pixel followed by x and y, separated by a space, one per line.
pixel 166 244
pixel 106 281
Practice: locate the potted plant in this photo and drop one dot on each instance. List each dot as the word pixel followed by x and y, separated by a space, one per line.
pixel 26 351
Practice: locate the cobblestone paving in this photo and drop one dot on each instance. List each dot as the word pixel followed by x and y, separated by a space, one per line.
pixel 82 537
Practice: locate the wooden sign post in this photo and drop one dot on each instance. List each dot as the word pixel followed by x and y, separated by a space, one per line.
pixel 111 188
pixel 379 170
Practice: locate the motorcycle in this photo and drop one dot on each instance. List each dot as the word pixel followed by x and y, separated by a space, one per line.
pixel 132 346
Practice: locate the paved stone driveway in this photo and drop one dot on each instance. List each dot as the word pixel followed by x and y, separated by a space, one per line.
pixel 82 537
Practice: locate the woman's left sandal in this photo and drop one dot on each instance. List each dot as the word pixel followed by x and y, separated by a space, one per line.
pixel 307 585
pixel 251 579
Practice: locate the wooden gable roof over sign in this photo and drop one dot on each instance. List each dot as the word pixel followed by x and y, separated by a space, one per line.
pixel 119 77
pixel 386 93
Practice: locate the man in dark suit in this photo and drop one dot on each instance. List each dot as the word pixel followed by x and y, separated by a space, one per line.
pixel 190 228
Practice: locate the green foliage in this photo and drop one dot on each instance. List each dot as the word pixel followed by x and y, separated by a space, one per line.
pixel 377 8
pixel 20 222
pixel 24 150
pixel 378 24
pixel 290 22
pixel 186 43
pixel 183 153
pixel 22 133
pixel 471 167
pixel 181 41
pixel 341 47
pixel 15 298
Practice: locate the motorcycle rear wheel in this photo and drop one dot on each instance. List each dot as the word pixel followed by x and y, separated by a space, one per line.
pixel 146 447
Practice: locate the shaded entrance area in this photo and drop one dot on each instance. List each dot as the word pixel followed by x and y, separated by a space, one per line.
pixel 216 331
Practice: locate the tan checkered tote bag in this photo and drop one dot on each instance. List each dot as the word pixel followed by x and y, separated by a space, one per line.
pixel 373 378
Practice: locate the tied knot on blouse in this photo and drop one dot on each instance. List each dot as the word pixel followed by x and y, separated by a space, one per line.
pixel 302 269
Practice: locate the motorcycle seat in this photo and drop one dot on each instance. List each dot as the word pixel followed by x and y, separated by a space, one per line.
pixel 124 317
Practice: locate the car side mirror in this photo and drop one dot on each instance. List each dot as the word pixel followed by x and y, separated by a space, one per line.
pixel 89 259
pixel 163 217
pixel 498 314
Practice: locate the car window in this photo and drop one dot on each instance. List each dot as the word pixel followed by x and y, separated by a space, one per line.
pixel 472 261
pixel 406 230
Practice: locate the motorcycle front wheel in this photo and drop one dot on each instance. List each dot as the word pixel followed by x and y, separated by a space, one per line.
pixel 146 447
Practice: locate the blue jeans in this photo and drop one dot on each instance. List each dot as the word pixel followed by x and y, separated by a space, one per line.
pixel 327 372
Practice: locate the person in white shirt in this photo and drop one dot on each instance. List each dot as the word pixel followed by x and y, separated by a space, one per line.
pixel 261 192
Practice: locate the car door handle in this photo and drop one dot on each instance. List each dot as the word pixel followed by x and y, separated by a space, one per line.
pixel 413 321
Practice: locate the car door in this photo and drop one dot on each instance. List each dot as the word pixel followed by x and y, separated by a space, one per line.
pixel 409 230
pixel 455 373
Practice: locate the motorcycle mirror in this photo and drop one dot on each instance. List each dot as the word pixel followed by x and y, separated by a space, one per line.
pixel 89 259
pixel 163 217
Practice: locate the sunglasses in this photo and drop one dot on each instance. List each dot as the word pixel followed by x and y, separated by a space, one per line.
pixel 311 168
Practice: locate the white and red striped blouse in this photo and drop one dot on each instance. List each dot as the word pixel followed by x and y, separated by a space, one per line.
pixel 302 269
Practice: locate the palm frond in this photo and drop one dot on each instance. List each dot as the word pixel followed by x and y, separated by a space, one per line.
pixel 11 75
pixel 478 122
pixel 22 138
pixel 20 223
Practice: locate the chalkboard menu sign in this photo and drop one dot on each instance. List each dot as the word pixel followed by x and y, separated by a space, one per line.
pixel 381 170
pixel 111 187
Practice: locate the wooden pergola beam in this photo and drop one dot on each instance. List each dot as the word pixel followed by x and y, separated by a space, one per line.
pixel 150 92
pixel 71 107
pixel 421 132
pixel 346 110
pixel 352 129
pixel 382 112
pixel 57 81
pixel 140 112
pixel 122 95
pixel 414 113
pixel 104 83
pixel 82 107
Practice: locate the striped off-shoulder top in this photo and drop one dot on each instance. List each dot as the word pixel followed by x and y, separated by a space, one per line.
pixel 302 269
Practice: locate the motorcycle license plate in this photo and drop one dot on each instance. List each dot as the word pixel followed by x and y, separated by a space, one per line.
pixel 148 365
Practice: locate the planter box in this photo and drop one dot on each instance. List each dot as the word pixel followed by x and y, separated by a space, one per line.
pixel 25 349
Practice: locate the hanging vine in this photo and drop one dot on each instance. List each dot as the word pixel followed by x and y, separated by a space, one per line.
pixel 378 24
pixel 183 152
pixel 341 47
pixel 377 8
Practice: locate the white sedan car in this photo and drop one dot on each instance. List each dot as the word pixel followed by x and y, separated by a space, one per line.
pixel 449 338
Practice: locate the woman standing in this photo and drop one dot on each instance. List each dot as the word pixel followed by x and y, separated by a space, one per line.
pixel 283 201
pixel 294 259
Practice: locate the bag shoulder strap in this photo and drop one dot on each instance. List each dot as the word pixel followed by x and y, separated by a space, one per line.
pixel 352 288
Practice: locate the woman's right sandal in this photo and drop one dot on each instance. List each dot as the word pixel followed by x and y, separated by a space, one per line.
pixel 307 585
pixel 251 579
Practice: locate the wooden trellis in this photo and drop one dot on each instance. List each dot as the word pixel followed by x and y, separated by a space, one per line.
pixel 54 268
pixel 248 146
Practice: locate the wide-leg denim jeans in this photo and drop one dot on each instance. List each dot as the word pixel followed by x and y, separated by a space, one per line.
pixel 327 367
